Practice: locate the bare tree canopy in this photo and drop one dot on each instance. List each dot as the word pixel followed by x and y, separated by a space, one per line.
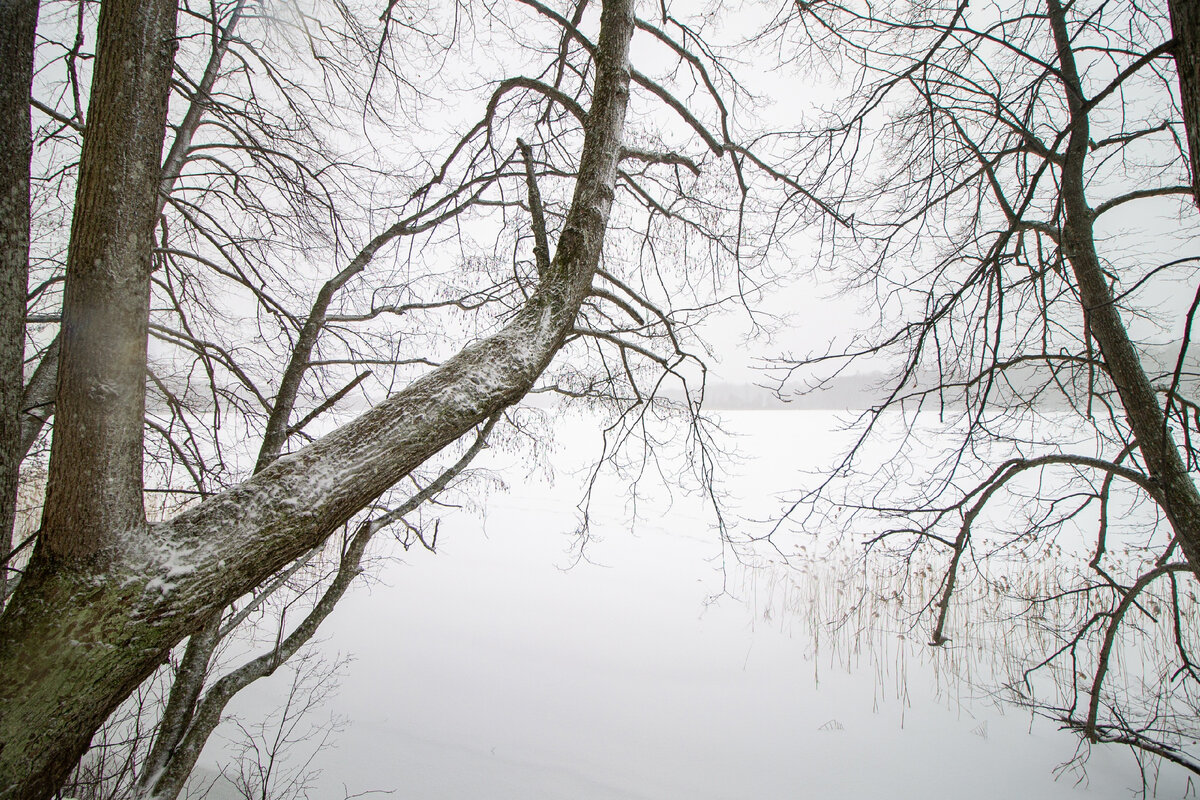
pixel 1019 179
pixel 272 274
pixel 446 281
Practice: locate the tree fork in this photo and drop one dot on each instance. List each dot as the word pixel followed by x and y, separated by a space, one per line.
pixel 95 484
pixel 82 632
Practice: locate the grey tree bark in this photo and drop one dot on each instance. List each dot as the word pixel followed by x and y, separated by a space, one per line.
pixel 18 22
pixel 37 399
pixel 1185 25
pixel 194 719
pixel 94 494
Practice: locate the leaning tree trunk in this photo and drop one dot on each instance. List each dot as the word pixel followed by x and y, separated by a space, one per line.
pixel 1176 492
pixel 101 606
pixel 18 21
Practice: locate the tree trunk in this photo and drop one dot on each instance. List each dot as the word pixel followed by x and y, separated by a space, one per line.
pixel 94 489
pixel 94 494
pixel 37 402
pixel 1185 25
pixel 82 632
pixel 37 405
pixel 1176 492
pixel 18 21
pixel 181 703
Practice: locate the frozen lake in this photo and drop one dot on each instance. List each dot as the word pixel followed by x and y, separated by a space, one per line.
pixel 491 670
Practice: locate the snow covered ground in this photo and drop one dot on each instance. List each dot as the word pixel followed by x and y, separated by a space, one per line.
pixel 490 670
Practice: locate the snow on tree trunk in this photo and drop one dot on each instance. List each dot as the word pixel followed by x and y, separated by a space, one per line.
pixel 99 608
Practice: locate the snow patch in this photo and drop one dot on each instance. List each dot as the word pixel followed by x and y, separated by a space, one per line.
pixel 165 562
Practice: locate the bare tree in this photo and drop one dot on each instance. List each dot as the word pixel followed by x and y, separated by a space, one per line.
pixel 1013 171
pixel 261 772
pixel 184 442
pixel 155 393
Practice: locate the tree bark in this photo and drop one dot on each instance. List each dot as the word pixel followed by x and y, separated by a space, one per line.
pixel 37 401
pixel 181 703
pixel 37 405
pixel 169 783
pixel 94 494
pixel 95 478
pixel 1185 26
pixel 18 22
pixel 81 633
